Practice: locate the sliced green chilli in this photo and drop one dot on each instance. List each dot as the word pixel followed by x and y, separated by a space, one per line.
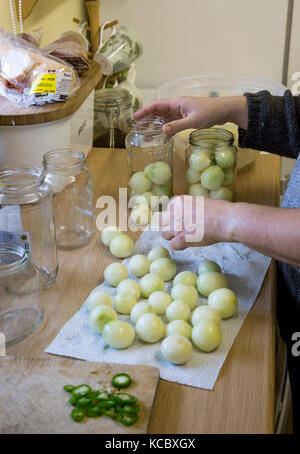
pixel 109 403
pixel 127 419
pixel 83 402
pixel 130 409
pixel 121 381
pixel 126 399
pixel 103 395
pixel 73 401
pixel 69 388
pixel 111 413
pixel 93 412
pixel 81 390
pixel 77 414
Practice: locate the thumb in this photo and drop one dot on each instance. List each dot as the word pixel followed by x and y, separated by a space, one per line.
pixel 173 127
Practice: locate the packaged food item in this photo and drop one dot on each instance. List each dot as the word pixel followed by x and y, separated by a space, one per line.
pixel 29 76
pixel 34 36
pixel 71 49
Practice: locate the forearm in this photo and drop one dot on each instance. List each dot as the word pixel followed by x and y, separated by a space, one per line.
pixel 272 231
pixel 273 123
pixel 234 110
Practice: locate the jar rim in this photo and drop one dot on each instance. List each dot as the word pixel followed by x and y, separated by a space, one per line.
pixel 148 125
pixel 63 158
pixel 12 249
pixel 30 177
pixel 211 136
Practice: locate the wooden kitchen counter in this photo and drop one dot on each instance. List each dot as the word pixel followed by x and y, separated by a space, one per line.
pixel 243 399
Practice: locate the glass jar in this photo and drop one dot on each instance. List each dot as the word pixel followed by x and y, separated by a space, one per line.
pixel 26 211
pixel 210 164
pixel 112 117
pixel 150 163
pixel 21 310
pixel 70 182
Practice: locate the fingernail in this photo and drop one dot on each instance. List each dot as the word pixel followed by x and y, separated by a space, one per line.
pixel 167 129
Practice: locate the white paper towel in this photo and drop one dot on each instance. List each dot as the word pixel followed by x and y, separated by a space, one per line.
pixel 245 270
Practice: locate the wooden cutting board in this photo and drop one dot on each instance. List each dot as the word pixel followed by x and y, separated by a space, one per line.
pixel 32 398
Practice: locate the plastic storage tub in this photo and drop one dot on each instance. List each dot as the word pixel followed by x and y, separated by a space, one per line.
pixel 218 85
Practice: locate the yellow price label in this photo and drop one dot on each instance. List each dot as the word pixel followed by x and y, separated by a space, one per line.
pixel 44 84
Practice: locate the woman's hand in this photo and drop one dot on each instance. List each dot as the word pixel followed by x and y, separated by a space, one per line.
pixel 196 221
pixel 195 112
pixel 192 221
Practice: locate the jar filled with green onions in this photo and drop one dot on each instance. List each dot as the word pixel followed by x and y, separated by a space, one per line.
pixel 211 164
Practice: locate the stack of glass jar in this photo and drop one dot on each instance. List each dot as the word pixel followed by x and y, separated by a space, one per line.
pixel 28 233
pixel 150 162
pixel 21 309
pixel 210 164
pixel 26 217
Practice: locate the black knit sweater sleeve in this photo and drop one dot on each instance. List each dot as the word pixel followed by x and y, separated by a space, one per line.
pixel 273 124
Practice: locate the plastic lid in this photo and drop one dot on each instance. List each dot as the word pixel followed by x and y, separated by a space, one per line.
pixel 214 85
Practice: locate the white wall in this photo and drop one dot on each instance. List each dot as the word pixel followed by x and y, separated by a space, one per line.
pixel 54 16
pixel 189 37
pixel 294 64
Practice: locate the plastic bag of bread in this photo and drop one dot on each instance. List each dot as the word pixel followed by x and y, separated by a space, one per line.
pixel 29 76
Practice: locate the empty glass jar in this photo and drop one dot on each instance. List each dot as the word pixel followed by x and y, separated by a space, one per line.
pixel 26 211
pixel 210 164
pixel 150 164
pixel 21 311
pixel 112 117
pixel 71 185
